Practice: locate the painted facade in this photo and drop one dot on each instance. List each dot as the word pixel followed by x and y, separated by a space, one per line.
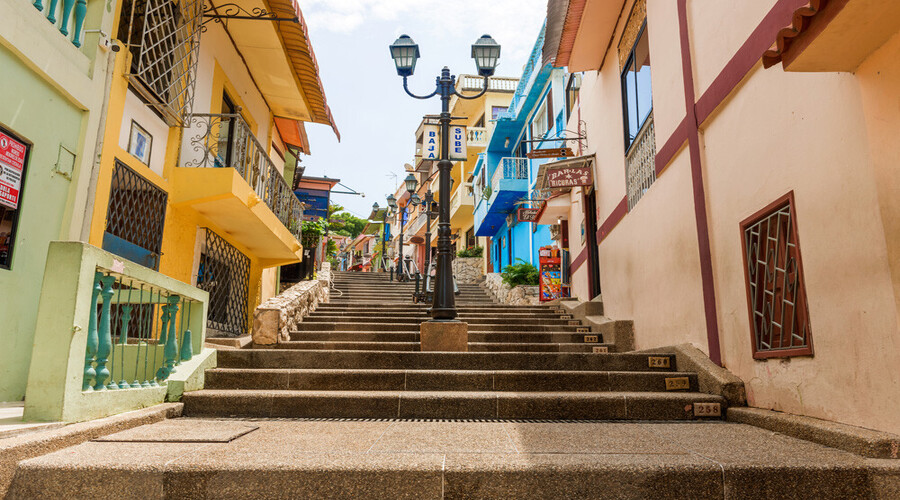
pixel 729 146
pixel 54 75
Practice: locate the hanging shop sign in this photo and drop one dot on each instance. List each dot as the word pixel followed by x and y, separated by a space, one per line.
pixel 458 143
pixel 550 153
pixel 570 176
pixel 431 143
pixel 527 214
pixel 12 166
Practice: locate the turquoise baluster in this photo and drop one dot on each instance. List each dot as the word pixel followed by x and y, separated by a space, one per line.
pixel 160 341
pixel 123 340
pixel 51 15
pixel 80 13
pixel 67 12
pixel 170 349
pixel 38 5
pixel 105 339
pixel 187 347
pixel 91 349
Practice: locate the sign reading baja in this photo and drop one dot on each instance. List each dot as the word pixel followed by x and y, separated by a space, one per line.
pixel 431 143
pixel 12 165
pixel 527 214
pixel 570 176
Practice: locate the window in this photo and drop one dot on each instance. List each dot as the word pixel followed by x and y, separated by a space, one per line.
pixel 497 110
pixel 135 217
pixel 573 86
pixel 164 38
pixel 480 122
pixel 637 98
pixel 224 272
pixel 14 153
pixel 776 293
pixel 540 124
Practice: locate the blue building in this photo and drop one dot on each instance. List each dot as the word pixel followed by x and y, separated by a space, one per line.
pixel 504 178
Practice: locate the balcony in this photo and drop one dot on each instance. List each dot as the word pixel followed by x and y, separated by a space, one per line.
pixel 462 204
pixel 477 137
pixel 228 178
pixel 71 17
pixel 509 184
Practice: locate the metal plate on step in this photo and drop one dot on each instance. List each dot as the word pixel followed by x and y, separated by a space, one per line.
pixel 677 383
pixel 707 409
pixel 583 329
pixel 599 349
pixel 574 322
pixel 591 339
pixel 659 362
pixel 566 316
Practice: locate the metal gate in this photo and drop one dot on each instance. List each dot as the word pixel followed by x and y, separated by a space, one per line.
pixel 224 272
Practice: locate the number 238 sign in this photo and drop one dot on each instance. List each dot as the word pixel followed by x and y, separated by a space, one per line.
pixel 12 165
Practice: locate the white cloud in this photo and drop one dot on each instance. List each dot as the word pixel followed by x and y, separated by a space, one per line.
pixel 513 23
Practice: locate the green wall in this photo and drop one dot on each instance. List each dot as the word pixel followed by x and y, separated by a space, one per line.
pixel 33 109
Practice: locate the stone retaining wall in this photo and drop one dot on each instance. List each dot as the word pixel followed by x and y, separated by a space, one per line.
pixel 468 269
pixel 516 296
pixel 274 319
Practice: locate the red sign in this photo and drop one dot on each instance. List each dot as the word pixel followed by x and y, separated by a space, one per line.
pixel 527 214
pixel 12 164
pixel 563 177
pixel 550 153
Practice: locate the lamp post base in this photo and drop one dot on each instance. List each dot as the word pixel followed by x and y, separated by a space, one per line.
pixel 447 336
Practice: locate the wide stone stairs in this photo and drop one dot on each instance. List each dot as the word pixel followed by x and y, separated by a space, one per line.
pixel 358 356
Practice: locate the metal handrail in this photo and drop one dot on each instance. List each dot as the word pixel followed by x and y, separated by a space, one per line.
pixel 225 140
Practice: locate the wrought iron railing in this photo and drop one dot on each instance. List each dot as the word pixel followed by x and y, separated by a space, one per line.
pixel 67 22
pixel 225 140
pixel 477 136
pixel 137 333
pixel 509 169
pixel 640 163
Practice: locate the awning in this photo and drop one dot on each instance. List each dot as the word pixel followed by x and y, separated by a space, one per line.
pixel 281 61
pixel 292 133
pixel 554 208
pixel 542 182
pixel 566 45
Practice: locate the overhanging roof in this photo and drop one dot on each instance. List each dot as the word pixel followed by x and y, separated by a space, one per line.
pixel 281 60
pixel 579 32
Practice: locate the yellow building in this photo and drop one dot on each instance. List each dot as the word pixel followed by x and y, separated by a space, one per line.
pixel 205 117
pixel 481 115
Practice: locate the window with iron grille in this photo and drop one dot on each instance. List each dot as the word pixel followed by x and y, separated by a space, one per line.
pixel 224 272
pixel 135 217
pixel 776 293
pixel 164 39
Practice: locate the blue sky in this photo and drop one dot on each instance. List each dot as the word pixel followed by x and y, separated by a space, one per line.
pixel 377 120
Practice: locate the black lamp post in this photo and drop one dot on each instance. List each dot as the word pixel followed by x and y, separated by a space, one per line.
pixel 405 53
pixel 427 201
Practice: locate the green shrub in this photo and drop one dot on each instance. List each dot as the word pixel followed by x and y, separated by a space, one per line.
pixel 475 251
pixel 521 273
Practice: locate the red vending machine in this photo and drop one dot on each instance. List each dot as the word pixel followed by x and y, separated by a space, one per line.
pixel 550 274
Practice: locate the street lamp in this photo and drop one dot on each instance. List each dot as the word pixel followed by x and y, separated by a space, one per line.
pixel 405 53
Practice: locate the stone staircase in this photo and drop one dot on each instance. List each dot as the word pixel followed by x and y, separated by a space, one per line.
pixel 358 357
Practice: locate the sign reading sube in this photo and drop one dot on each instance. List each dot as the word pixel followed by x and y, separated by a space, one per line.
pixel 458 143
pixel 12 164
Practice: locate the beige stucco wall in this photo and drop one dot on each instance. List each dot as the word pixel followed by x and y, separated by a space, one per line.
pixel 829 138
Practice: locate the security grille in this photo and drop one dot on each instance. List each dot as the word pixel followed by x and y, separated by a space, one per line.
pixel 776 294
pixel 224 273
pixel 164 37
pixel 640 163
pixel 135 217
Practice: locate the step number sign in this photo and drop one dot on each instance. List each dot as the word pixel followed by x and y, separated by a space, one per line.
pixel 12 164
pixel 431 143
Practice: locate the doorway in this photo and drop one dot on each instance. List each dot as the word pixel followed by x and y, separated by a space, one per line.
pixel 593 258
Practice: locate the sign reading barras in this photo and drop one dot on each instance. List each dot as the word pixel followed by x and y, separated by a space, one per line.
pixel 12 163
pixel 563 177
pixel 527 214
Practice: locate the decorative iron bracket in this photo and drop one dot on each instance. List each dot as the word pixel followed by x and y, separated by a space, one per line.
pixel 226 12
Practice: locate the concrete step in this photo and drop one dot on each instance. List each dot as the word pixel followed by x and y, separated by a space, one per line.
pixel 375 306
pixel 471 320
pixel 428 404
pixel 308 326
pixel 423 316
pixel 408 336
pixel 311 345
pixel 445 380
pixel 289 358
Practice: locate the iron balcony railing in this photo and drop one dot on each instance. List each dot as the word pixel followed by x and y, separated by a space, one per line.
pixel 67 22
pixel 509 169
pixel 225 140
pixel 640 163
